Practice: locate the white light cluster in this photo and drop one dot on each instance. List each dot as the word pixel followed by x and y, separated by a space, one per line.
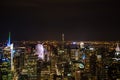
pixel 40 51
pixel 82 44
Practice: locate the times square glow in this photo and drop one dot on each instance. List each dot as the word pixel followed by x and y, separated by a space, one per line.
pixel 40 51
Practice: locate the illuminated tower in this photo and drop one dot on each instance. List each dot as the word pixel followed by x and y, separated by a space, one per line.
pixel 117 50
pixel 117 47
pixel 63 37
pixel 62 41
pixel 12 54
pixel 9 40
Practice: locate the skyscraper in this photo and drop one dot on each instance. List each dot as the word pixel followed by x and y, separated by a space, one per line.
pixel 9 39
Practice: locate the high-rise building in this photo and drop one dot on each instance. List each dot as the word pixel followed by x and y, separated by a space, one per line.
pixel 9 39
pixel 117 53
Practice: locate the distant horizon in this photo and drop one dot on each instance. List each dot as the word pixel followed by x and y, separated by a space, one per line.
pixel 59 38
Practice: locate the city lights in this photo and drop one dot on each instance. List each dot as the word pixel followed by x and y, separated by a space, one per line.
pixel 40 51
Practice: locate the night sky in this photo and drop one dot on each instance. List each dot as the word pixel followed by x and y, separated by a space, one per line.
pixel 47 20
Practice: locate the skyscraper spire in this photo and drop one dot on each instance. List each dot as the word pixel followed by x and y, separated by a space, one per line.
pixel 9 39
pixel 63 37
pixel 62 40
pixel 117 48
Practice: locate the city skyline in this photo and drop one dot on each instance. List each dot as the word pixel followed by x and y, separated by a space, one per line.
pixel 47 20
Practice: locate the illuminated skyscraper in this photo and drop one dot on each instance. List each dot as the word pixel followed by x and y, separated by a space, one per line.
pixel 117 48
pixel 9 40
pixel 117 53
